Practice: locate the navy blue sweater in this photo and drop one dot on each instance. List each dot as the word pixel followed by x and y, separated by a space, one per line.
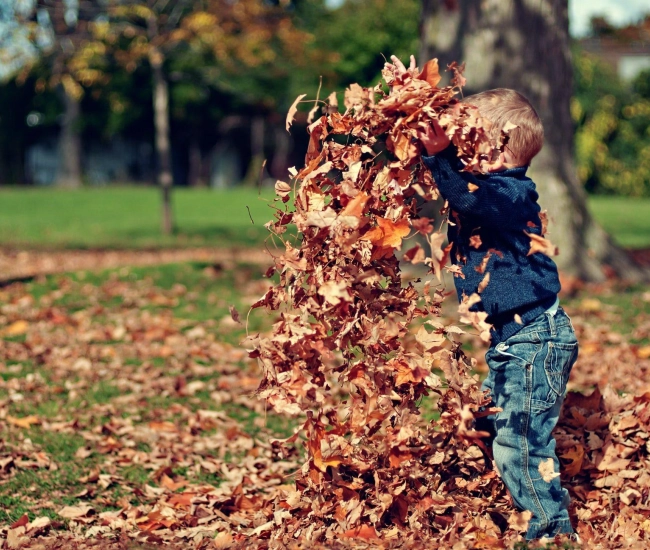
pixel 497 214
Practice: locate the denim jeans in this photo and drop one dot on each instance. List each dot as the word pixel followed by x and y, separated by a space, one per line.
pixel 527 379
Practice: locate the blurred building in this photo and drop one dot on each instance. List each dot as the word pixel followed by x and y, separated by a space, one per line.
pixel 626 49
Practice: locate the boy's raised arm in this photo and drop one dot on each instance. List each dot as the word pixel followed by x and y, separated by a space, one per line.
pixel 495 198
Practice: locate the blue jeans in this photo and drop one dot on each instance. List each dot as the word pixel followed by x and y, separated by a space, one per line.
pixel 527 379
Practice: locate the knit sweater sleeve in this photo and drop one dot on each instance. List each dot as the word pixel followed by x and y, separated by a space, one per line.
pixel 497 198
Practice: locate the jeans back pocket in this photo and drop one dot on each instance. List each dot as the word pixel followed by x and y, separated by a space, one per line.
pixel 559 360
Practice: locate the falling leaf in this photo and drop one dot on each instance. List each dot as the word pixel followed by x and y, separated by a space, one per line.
pixel 388 234
pixel 282 189
pixel 484 283
pixel 234 314
pixel 312 113
pixel 475 241
pixel 356 206
pixel 431 73
pixel 547 470
pixel 471 187
pixel 293 110
pixel 540 244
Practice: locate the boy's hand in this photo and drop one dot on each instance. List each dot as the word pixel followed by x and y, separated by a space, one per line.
pixel 399 69
pixel 433 138
pixel 395 72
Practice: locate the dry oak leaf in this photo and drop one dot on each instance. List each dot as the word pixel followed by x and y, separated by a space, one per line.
pixel 475 241
pixel 540 244
pixel 547 470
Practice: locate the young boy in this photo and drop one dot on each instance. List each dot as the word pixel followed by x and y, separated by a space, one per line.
pixel 533 344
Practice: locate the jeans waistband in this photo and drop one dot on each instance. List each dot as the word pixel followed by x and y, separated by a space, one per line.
pixel 548 322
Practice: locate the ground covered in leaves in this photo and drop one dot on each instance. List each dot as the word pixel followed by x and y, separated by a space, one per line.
pixel 129 419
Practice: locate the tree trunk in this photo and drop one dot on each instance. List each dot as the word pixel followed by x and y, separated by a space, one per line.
pixel 253 173
pixel 69 172
pixel 195 172
pixel 163 152
pixel 524 45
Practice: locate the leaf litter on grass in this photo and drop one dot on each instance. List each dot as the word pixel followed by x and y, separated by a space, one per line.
pixel 121 418
pixel 183 455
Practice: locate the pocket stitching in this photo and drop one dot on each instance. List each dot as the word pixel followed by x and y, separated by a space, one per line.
pixel 551 376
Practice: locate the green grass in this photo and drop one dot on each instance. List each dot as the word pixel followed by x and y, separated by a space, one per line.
pixel 626 218
pixel 129 217
pixel 200 294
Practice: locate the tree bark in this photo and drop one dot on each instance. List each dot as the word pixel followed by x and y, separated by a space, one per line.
pixel 163 150
pixel 258 130
pixel 69 172
pixel 524 45
pixel 195 173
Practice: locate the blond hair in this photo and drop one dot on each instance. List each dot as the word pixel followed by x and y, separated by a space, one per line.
pixel 502 105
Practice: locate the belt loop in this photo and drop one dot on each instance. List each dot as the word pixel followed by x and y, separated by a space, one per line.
pixel 551 323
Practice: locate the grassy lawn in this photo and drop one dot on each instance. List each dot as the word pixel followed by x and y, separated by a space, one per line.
pixel 129 217
pixel 626 218
pixel 139 387
pixel 124 217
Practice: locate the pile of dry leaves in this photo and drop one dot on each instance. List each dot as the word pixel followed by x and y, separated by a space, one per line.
pixel 375 468
pixel 340 354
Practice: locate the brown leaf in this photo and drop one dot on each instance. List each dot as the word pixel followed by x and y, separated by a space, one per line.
pixel 23 520
pixel 25 422
pixel 234 314
pixel 547 470
pixel 293 110
pixel 16 328
pixel 484 283
pixel 431 73
pixel 366 532
pixel 388 234
pixel 574 459
pixel 540 244
pixel 282 189
pixel 74 512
